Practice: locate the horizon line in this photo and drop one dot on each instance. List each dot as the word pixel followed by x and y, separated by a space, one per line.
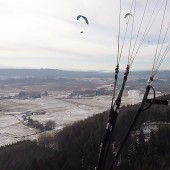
pixel 62 69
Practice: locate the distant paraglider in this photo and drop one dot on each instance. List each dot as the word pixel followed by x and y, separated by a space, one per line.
pixel 84 18
pixel 81 16
pixel 128 14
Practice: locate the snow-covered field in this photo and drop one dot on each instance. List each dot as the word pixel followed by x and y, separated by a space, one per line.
pixel 56 88
pixel 58 107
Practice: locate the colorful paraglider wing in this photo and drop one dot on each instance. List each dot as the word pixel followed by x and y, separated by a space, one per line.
pixel 128 15
pixel 81 16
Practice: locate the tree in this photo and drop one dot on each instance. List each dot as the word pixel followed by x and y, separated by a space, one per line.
pixel 50 125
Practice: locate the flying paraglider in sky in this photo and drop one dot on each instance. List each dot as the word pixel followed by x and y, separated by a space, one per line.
pixel 128 14
pixel 85 19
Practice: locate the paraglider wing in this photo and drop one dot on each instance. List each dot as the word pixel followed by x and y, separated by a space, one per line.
pixel 128 15
pixel 81 16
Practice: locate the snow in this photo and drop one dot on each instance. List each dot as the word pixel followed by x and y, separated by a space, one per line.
pixel 134 96
pixel 148 127
pixel 57 106
pixel 14 133
pixel 7 120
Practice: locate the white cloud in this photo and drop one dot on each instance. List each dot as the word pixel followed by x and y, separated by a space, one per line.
pixel 43 33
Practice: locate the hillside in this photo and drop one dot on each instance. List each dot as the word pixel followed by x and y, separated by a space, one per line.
pixel 78 80
pixel 76 147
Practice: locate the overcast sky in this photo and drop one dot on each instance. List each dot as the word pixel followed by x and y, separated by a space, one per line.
pixel 46 34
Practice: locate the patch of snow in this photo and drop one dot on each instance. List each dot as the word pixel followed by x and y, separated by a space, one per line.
pixel 57 107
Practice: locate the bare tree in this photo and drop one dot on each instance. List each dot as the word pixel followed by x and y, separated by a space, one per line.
pixel 50 125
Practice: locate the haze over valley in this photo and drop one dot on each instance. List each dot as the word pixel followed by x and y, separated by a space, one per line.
pixel 31 97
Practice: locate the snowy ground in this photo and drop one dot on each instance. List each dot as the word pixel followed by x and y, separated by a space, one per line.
pixel 58 107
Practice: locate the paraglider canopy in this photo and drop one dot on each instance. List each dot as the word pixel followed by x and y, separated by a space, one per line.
pixel 128 15
pixel 85 19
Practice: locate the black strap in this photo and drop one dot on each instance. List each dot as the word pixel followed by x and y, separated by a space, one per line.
pixel 161 102
pixel 106 142
pixel 152 100
pixel 141 109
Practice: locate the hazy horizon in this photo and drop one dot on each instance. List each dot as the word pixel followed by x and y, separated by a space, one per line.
pixel 77 69
pixel 46 34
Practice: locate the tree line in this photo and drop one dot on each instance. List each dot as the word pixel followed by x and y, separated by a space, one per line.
pixel 76 147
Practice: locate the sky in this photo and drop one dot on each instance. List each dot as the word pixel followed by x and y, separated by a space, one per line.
pixel 46 34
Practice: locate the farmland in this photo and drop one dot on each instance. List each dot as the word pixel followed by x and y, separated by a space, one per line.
pixel 62 100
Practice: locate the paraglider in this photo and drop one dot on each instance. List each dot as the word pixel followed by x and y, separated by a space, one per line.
pixel 84 18
pixel 81 16
pixel 128 15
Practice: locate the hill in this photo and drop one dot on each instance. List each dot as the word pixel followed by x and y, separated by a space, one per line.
pixel 77 146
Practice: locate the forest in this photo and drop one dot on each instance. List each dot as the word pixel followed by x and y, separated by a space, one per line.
pixel 76 146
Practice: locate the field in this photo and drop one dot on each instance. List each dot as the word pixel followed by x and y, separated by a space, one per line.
pixel 66 101
pixel 57 106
